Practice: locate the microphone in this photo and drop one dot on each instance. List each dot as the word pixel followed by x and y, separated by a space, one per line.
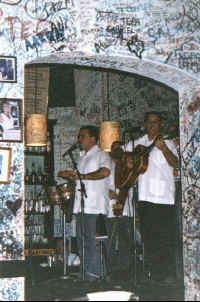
pixel 72 148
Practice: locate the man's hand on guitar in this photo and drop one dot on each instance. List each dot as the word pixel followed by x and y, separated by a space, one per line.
pixel 160 144
pixel 68 174
pixel 112 195
pixel 117 209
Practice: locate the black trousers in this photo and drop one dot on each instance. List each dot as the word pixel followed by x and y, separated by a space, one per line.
pixel 120 228
pixel 158 231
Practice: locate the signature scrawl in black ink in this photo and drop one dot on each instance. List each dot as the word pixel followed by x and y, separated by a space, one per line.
pixel 136 46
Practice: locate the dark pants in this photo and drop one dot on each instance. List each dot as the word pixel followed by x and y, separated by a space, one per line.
pixel 158 235
pixel 120 232
pixel 86 234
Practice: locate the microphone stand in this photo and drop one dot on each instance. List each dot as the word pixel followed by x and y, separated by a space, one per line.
pixel 64 249
pixel 83 194
pixel 134 200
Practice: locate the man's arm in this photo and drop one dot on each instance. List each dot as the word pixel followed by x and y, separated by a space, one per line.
pixel 96 175
pixel 68 174
pixel 168 154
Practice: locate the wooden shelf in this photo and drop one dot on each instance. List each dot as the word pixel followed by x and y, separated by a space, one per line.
pixel 40 252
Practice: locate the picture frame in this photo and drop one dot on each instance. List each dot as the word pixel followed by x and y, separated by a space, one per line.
pixel 8 72
pixel 5 161
pixel 10 120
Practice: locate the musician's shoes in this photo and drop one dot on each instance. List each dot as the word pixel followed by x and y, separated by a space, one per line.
pixel 76 276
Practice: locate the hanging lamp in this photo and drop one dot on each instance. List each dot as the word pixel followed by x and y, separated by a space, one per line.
pixel 109 130
pixel 36 123
pixel 36 130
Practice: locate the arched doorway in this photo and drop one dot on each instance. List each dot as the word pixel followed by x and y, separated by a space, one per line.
pixel 184 85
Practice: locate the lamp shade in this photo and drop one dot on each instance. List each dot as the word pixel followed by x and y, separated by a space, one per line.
pixel 109 132
pixel 36 130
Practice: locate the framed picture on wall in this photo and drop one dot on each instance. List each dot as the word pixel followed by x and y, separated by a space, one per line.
pixel 8 69
pixel 10 119
pixel 5 160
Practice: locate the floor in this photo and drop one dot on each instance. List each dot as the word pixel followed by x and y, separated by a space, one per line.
pixel 50 284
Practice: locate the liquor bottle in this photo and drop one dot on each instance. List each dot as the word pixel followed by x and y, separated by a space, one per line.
pixel 48 142
pixel 31 203
pixel 26 203
pixel 48 146
pixel 27 176
pixel 45 178
pixel 36 206
pixel 39 175
pixel 33 176
pixel 26 209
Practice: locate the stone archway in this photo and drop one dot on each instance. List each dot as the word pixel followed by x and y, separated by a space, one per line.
pixel 188 89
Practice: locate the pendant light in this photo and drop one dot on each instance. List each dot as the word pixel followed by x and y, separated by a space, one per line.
pixel 36 123
pixel 109 130
pixel 36 130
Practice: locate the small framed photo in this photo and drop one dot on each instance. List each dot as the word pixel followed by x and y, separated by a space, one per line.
pixel 8 69
pixel 5 161
pixel 10 120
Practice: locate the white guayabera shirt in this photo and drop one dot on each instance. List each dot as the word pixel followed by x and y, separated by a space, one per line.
pixel 156 185
pixel 97 200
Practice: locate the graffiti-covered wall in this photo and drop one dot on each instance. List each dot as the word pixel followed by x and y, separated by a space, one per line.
pixel 160 30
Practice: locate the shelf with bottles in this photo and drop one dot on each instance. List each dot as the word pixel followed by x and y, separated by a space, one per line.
pixel 36 150
pixel 38 219
pixel 39 213
pixel 36 203
pixel 38 241
pixel 35 173
pixel 39 168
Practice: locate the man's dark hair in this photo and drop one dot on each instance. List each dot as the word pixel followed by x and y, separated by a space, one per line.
pixel 157 113
pixel 116 144
pixel 93 131
pixel 117 153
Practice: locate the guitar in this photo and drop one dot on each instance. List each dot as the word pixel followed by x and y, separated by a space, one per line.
pixel 140 158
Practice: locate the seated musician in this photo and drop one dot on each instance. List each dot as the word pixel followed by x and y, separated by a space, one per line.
pixel 119 227
pixel 156 205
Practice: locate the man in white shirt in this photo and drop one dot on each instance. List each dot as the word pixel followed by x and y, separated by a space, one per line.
pixel 120 228
pixel 156 205
pixel 94 166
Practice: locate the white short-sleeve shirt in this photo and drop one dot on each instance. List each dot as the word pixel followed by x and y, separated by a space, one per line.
pixel 97 200
pixel 156 185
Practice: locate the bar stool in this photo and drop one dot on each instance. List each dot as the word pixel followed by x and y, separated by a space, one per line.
pixel 102 239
